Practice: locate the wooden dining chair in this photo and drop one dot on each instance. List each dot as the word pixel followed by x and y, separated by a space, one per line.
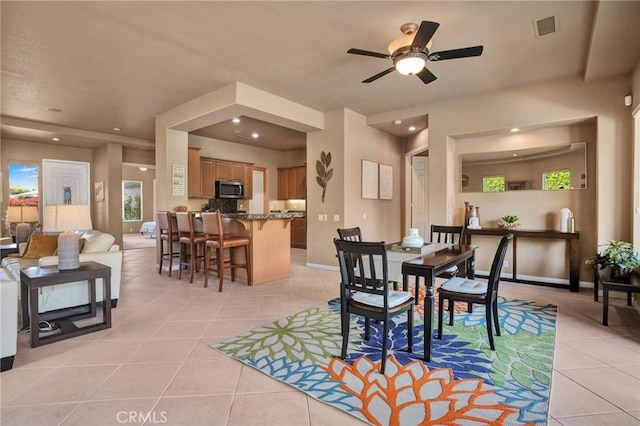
pixel 217 242
pixel 168 234
pixel 365 291
pixel 471 291
pixel 448 235
pixel 191 243
pixel 350 234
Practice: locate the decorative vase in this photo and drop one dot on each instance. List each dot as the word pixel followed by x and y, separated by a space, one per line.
pixel 412 239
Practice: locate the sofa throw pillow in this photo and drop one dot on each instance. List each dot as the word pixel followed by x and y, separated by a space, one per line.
pixel 97 242
pixel 41 245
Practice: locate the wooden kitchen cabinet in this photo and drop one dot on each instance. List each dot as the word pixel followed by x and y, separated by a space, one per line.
pixel 292 183
pixel 207 177
pixel 203 173
pixel 248 182
pixel 299 232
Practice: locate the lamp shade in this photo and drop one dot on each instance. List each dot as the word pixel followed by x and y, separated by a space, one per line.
pixel 67 217
pixel 30 214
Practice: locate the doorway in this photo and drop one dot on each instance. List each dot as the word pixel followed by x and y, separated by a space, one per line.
pixel 420 193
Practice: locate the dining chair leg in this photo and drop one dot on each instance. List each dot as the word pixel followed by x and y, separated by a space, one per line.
pixel 385 334
pixel 489 311
pixel 194 260
pixel 161 257
pixel 440 314
pixel 629 302
pixel 181 263
pixel 496 319
pixel 247 254
pixel 470 307
pixel 451 306
pixel 345 335
pixel 605 305
pixel 367 329
pixel 410 330
pixel 220 268
pixel 170 244
pixel 207 264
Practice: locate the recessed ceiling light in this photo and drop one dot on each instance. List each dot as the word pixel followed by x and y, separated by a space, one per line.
pixel 514 130
pixel 55 139
pixel 144 169
pixel 412 128
pixel 52 110
pixel 514 155
pixel 397 122
pixel 255 135
pixel 236 120
pixel 116 129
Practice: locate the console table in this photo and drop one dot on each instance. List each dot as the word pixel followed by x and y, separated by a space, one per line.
pixel 31 279
pixel 570 237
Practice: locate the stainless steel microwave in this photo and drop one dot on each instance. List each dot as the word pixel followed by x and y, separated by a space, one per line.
pixel 228 189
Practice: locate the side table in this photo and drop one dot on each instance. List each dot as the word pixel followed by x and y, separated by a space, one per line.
pixel 6 249
pixel 34 278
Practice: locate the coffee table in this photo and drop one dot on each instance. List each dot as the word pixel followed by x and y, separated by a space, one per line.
pixel 36 277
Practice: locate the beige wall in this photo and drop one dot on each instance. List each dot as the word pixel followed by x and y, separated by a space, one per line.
pixel 107 168
pixel 549 102
pixel 349 140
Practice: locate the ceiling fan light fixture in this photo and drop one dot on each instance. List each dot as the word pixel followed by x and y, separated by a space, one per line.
pixel 410 63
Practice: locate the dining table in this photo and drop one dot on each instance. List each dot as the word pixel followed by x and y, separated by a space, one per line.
pixel 428 266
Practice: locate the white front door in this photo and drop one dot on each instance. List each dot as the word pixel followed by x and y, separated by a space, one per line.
pixel 420 195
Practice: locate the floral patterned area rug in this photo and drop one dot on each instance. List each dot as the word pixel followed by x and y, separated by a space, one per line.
pixel 465 382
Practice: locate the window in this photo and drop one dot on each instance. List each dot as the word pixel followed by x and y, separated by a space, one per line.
pixel 557 179
pixel 23 189
pixel 493 184
pixel 131 200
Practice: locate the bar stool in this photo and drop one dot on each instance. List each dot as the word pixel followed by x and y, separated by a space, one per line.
pixel 168 233
pixel 212 225
pixel 189 240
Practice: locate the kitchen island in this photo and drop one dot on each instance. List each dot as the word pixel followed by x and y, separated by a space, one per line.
pixel 270 235
pixel 270 248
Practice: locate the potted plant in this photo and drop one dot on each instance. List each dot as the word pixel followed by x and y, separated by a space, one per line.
pixel 617 255
pixel 509 221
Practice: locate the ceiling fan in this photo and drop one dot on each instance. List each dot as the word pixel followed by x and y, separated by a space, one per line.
pixel 411 52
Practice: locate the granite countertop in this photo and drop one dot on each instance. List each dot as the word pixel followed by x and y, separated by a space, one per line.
pixel 262 216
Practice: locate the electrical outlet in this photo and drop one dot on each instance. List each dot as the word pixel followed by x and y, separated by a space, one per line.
pixel 320 217
pixel 505 263
pixel 336 218
pixel 364 216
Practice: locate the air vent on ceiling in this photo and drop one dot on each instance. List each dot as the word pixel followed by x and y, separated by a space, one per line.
pixel 545 26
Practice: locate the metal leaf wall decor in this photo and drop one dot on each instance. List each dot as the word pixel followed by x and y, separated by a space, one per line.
pixel 324 172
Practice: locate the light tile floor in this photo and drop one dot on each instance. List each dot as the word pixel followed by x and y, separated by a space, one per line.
pixel 155 365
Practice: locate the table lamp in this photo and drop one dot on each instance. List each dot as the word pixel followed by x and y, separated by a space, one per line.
pixel 66 219
pixel 23 215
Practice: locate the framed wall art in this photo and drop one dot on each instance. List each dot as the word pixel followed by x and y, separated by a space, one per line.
pixel 386 182
pixel 369 179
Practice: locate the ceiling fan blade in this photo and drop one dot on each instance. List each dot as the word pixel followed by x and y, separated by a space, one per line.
pixel 423 35
pixel 426 76
pixel 456 53
pixel 380 74
pixel 368 53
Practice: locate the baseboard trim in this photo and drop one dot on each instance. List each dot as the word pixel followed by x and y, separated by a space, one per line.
pixel 325 267
pixel 6 363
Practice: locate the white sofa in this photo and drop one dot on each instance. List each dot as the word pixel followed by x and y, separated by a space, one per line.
pixel 98 247
pixel 8 319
